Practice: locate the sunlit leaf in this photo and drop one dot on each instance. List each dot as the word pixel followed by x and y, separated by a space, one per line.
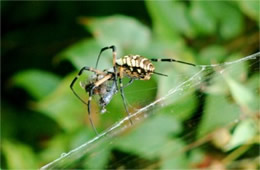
pixel 141 92
pixel 253 84
pixel 54 148
pixel 173 156
pixel 80 136
pixel 250 8
pixel 245 131
pixel 217 84
pixel 176 72
pixel 122 31
pixel 35 82
pixel 63 106
pixel 212 55
pixel 237 71
pixel 150 136
pixel 18 156
pixel 102 153
pixel 85 53
pixel 170 17
pixel 230 19
pixel 241 94
pixel 196 156
pixel 182 108
pixel 232 22
pixel 218 112
pixel 202 19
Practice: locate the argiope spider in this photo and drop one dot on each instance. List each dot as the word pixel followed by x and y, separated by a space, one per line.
pixel 104 83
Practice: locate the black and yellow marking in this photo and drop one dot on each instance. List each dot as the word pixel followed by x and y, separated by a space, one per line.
pixel 136 66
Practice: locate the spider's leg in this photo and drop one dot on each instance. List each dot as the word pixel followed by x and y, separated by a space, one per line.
pixel 123 97
pixel 104 49
pixel 114 64
pixel 75 79
pixel 114 60
pixel 160 74
pixel 89 109
pixel 130 82
pixel 171 60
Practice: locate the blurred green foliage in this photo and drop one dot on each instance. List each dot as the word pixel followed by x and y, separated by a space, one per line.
pixel 41 118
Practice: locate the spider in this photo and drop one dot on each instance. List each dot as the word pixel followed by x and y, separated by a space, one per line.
pixel 105 83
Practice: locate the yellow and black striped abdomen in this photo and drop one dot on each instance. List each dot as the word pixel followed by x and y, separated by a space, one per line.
pixel 135 66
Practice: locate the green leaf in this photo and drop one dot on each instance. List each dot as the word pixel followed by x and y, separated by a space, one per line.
pixel 253 83
pixel 231 21
pixel 238 71
pixel 202 18
pixel 245 131
pixel 141 92
pixel 241 94
pixel 182 108
pixel 151 136
pixel 18 156
pixel 62 106
pixel 38 83
pixel 212 54
pixel 218 112
pixel 196 156
pixel 250 8
pixel 217 84
pixel 177 73
pixel 54 148
pixel 85 53
pixel 170 17
pixel 172 81
pixel 100 153
pixel 173 156
pixel 123 31
pixel 8 121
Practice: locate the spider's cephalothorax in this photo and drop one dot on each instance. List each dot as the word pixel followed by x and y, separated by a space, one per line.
pixel 136 67
pixel 105 83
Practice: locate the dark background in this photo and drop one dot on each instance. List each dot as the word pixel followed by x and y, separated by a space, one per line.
pixel 36 31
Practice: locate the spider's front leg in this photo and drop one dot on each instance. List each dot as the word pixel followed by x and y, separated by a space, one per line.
pixel 104 49
pixel 89 88
pixel 114 60
pixel 79 74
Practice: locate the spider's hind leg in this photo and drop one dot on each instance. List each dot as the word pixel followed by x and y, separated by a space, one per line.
pixel 171 60
pixel 123 97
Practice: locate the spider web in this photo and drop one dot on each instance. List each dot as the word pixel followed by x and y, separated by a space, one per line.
pixel 97 146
